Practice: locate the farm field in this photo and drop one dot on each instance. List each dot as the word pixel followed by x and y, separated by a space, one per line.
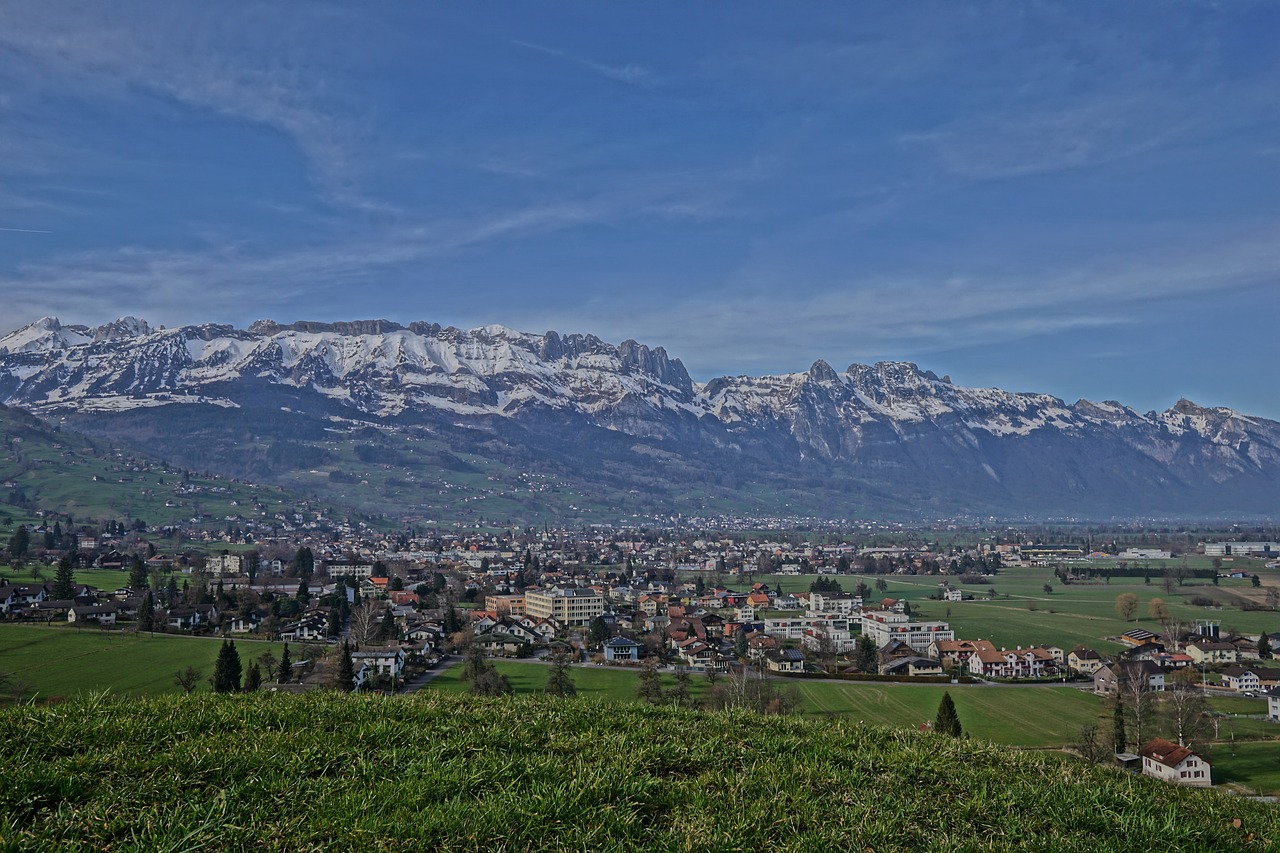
pixel 1022 613
pixel 1252 763
pixel 1020 716
pixel 62 661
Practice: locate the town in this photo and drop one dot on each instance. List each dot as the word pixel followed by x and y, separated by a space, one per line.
pixel 749 615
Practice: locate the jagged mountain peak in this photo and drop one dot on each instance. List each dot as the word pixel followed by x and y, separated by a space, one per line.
pixel 124 327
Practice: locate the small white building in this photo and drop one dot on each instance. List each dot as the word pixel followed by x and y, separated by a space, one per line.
pixel 1162 759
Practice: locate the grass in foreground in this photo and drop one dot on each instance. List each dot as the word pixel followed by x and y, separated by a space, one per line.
pixel 443 772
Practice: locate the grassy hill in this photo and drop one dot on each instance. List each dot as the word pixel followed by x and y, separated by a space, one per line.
pixel 45 468
pixel 444 772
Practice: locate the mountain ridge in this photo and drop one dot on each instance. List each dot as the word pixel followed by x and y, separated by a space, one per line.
pixel 889 425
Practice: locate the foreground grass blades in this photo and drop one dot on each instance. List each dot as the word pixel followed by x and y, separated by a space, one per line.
pixel 527 773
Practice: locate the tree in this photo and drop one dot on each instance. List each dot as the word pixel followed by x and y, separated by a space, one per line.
pixel 187 679
pixel 1091 746
pixel 740 643
pixel 598 634
pixel 1264 646
pixel 1048 589
pixel 1126 605
pixel 866 656
pixel 1255 581
pixel 680 693
pixel 558 681
pixel 948 721
pixel 64 580
pixel 303 563
pixel 650 686
pixel 1136 690
pixel 1118 739
pixel 252 678
pixel 227 670
pixel 1158 610
pixel 137 573
pixel 364 623
pixel 19 542
pixel 286 666
pixel 146 613
pixel 387 627
pixel 304 593
pixel 345 679
pixel 1185 710
pixel 491 683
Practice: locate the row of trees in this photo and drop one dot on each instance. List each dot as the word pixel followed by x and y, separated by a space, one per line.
pixel 230 675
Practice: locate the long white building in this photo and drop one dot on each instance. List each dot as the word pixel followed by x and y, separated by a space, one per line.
pixel 883 626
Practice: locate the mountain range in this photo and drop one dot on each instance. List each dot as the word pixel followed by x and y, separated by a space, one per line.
pixel 422 420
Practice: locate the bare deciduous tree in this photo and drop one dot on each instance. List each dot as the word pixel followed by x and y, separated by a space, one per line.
pixel 365 620
pixel 187 679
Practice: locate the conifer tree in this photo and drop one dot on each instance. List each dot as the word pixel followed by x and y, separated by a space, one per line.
pixel 252 678
pixel 146 613
pixel 1264 646
pixel 227 669
pixel 1119 738
pixel 19 542
pixel 286 666
pixel 346 677
pixel 137 573
pixel 947 721
pixel 64 580
pixel 387 628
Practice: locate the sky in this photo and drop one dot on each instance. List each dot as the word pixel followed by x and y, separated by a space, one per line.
pixel 1076 198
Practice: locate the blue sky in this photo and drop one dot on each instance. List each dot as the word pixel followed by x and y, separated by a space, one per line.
pixel 1078 198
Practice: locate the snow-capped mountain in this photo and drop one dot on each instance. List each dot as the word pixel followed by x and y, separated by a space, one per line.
pixel 885 428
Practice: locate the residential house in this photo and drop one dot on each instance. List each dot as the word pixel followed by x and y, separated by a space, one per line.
pixel 103 614
pixel 1013 663
pixel 503 645
pixel 956 653
pixel 1162 759
pixel 621 649
pixel 1236 677
pixel 1273 705
pixel 388 661
pixel 1084 661
pixel 784 660
pixel 1209 652
pixel 912 666
pixel 246 623
pixel 1111 677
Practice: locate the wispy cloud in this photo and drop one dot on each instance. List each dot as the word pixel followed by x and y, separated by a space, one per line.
pixel 769 328
pixel 632 74
pixel 100 52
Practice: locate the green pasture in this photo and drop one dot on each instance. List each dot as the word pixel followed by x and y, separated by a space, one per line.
pixel 1021 716
pixel 1021 613
pixel 62 660
pixel 1252 763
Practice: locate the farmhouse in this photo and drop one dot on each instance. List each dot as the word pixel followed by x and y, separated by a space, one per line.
pixel 1172 763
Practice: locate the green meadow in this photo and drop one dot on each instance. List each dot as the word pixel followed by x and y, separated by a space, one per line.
pixel 61 660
